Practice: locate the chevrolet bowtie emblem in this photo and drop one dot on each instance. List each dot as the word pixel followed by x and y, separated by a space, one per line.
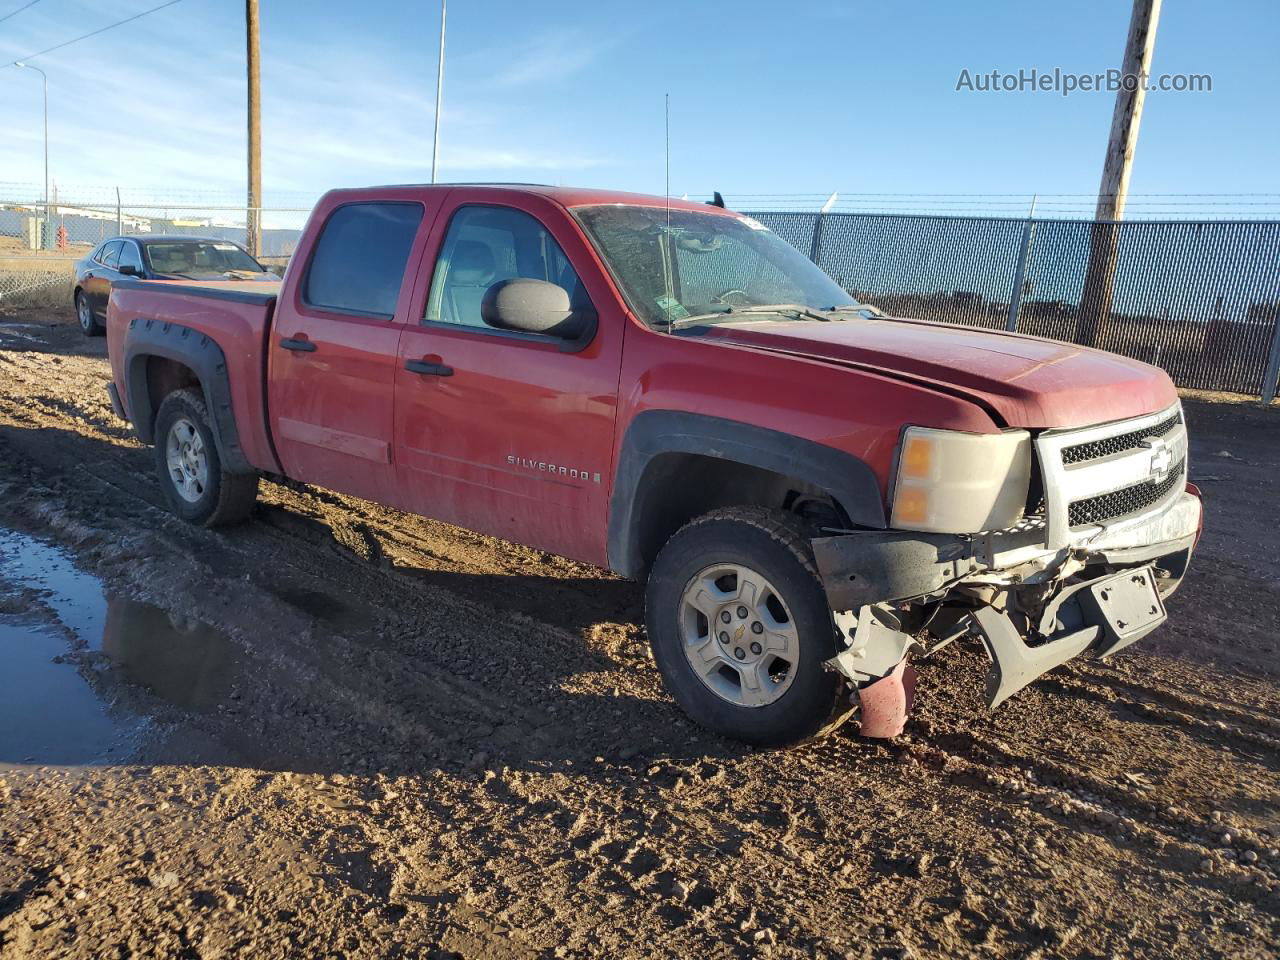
pixel 737 634
pixel 1161 458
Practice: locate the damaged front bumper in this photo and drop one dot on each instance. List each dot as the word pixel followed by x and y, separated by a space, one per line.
pixel 1032 607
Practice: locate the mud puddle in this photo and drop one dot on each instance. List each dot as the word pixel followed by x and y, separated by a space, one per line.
pixel 58 628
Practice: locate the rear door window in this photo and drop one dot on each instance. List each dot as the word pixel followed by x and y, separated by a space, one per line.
pixel 129 255
pixel 359 260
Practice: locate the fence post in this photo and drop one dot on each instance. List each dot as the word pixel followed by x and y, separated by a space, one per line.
pixel 119 216
pixel 1020 272
pixel 815 247
pixel 1273 367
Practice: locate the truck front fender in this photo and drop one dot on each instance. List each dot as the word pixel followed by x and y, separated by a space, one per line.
pixel 171 341
pixel 848 480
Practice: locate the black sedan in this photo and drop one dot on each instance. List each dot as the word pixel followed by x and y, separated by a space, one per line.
pixel 155 258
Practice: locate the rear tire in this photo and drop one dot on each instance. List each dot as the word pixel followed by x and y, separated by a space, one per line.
pixel 756 676
pixel 195 486
pixel 85 316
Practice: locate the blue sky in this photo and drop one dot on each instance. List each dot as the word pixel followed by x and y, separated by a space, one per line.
pixel 767 98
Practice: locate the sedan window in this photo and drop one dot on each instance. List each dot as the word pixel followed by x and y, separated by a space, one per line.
pixel 129 256
pixel 111 254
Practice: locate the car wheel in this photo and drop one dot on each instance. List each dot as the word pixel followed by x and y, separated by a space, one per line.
pixel 196 487
pixel 740 628
pixel 84 314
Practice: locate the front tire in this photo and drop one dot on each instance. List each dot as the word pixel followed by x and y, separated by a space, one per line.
pixel 740 628
pixel 85 316
pixel 195 486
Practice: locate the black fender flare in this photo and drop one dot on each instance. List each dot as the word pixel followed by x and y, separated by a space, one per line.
pixel 849 480
pixel 148 338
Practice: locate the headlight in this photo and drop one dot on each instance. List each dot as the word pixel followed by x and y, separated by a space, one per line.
pixel 951 482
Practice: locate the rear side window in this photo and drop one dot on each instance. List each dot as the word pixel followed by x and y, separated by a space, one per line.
pixel 129 255
pixel 359 261
pixel 110 254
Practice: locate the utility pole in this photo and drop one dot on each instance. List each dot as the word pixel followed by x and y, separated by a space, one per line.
pixel 253 215
pixel 1138 50
pixel 1095 305
pixel 435 137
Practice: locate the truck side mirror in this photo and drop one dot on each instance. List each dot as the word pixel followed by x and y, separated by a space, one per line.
pixel 535 306
pixel 129 270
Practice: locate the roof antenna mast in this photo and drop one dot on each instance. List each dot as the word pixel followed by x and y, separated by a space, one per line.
pixel 435 137
pixel 666 307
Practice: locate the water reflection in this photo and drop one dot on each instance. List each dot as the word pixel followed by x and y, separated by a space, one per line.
pixel 183 661
pixel 49 711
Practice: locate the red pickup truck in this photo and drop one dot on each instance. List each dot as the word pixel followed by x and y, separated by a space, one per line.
pixel 812 490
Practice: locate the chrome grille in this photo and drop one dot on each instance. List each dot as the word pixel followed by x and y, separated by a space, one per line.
pixel 1097 449
pixel 1121 503
pixel 1111 472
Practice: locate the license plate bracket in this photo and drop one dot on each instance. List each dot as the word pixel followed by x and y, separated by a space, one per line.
pixel 1125 606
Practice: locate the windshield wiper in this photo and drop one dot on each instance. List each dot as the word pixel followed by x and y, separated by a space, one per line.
pixel 798 311
pixel 728 313
pixel 693 320
pixel 866 308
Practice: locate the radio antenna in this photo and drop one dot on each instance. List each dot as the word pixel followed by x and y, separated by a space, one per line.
pixel 667 266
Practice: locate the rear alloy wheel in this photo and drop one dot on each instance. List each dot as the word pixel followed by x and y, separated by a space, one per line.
pixel 190 471
pixel 740 628
pixel 187 459
pixel 89 324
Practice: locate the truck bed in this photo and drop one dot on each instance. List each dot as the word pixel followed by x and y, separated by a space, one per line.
pixel 235 315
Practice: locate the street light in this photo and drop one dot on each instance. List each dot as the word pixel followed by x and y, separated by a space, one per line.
pixel 45 83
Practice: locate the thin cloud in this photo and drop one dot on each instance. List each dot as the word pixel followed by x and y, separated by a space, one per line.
pixel 549 57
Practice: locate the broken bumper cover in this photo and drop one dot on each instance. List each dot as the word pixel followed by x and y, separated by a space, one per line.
pixel 1098 616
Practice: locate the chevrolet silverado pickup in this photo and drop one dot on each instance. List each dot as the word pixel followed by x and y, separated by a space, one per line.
pixel 813 492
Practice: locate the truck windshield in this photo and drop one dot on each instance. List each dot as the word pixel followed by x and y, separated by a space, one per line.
pixel 703 264
pixel 199 258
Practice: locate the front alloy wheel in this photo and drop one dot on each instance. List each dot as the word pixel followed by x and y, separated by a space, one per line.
pixel 740 627
pixel 739 637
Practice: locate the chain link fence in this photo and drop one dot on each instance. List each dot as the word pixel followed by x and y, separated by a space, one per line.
pixel 1200 299
pixel 40 241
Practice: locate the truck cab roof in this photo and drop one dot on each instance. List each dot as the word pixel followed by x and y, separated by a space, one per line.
pixel 564 196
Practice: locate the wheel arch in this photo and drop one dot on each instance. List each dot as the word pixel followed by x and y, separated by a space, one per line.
pixel 674 466
pixel 161 357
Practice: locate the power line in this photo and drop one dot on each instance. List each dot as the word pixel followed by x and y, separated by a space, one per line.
pixel 19 10
pixel 92 33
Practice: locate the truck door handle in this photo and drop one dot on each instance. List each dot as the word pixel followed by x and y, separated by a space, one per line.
pixel 428 369
pixel 297 343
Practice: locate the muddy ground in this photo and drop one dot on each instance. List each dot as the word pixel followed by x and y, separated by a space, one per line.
pixel 343 731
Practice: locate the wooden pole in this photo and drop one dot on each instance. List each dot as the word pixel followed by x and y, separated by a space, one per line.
pixel 253 218
pixel 1095 305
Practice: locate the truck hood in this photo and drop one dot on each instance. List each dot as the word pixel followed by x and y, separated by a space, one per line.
pixel 1028 382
